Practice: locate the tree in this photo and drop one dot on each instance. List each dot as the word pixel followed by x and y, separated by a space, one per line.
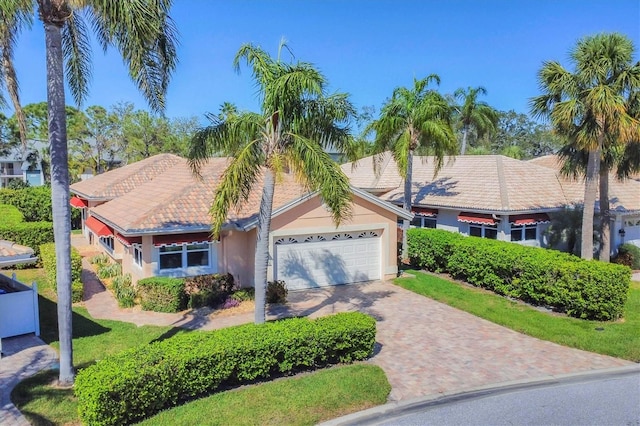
pixel 297 119
pixel 474 115
pixel 589 107
pixel 414 121
pixel 145 36
pixel 531 138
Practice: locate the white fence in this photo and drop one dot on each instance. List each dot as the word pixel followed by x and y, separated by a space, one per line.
pixel 18 309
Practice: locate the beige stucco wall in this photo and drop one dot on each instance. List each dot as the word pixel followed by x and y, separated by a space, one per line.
pixel 237 254
pixel 311 217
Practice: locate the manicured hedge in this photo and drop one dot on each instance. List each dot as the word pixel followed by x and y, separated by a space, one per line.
pixel 628 254
pixel 162 294
pixel 30 234
pixel 208 290
pixel 35 204
pixel 137 383
pixel 48 258
pixel 582 289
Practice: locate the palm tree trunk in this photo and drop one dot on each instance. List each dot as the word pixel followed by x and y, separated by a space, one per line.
pixel 605 216
pixel 262 246
pixel 407 204
pixel 590 189
pixel 60 195
pixel 465 133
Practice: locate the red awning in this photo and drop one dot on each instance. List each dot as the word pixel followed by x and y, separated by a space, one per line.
pixel 160 240
pixel 97 227
pixel 78 202
pixel 128 241
pixel 479 218
pixel 424 211
pixel 529 219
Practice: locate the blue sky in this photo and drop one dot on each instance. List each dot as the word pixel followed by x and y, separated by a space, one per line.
pixel 364 48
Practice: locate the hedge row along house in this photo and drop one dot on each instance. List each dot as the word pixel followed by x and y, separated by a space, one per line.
pixel 153 217
pixel 494 196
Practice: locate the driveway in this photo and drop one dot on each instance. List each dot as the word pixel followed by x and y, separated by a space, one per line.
pixel 428 348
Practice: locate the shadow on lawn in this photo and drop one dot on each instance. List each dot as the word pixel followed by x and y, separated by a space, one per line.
pixel 82 326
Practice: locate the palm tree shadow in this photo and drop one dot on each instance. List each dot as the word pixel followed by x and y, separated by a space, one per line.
pixel 83 326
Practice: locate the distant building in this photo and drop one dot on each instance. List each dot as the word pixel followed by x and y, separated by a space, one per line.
pixel 24 165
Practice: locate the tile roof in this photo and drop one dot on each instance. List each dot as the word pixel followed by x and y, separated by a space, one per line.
pixel 624 195
pixel 9 249
pixel 122 180
pixel 492 183
pixel 175 200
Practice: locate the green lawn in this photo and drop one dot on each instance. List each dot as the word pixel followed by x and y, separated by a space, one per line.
pixel 304 400
pixel 311 396
pixel 619 339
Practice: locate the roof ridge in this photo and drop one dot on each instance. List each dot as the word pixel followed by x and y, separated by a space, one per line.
pixel 385 164
pixel 502 184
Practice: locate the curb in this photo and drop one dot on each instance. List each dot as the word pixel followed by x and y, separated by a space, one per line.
pixel 398 408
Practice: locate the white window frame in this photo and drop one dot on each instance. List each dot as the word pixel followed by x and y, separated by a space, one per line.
pixel 522 230
pixel 423 221
pixel 483 229
pixel 108 243
pixel 136 254
pixel 184 251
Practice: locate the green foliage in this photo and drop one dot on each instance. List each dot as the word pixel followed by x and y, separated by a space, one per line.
pixel 124 291
pixel 276 292
pixel 583 289
pixel 34 203
pixel 124 388
pixel 17 184
pixel 29 234
pixel 243 294
pixel 208 290
pixel 109 270
pixel 10 215
pixel 48 258
pixel 162 294
pixel 629 255
pixel 100 259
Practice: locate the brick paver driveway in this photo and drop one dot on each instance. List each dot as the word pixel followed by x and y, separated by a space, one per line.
pixel 427 348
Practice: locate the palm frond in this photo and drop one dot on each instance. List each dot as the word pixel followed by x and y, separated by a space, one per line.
pixel 76 48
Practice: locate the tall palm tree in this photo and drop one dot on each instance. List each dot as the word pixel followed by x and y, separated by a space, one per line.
pixel 296 121
pixel 414 121
pixel 474 114
pixel 145 36
pixel 589 106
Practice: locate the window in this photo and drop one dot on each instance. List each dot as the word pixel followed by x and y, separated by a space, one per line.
pixel 484 231
pixel 184 255
pixel 420 221
pixel 137 254
pixel 107 242
pixel 524 232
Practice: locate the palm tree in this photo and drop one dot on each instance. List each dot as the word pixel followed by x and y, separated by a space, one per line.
pixel 145 35
pixel 416 120
pixel 589 107
pixel 296 121
pixel 473 114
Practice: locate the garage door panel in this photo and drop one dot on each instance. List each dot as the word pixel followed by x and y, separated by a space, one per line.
pixel 329 262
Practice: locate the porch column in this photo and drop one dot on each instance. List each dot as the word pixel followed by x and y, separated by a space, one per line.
pixel 504 229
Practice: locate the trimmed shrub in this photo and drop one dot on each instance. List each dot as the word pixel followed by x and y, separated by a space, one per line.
pixel 276 292
pixel 109 270
pixel 208 290
pixel 431 250
pixel 244 294
pixel 124 291
pixel 31 234
pixel 35 204
pixel 48 258
pixel 162 294
pixel 629 255
pixel 582 289
pixel 137 383
pixel 10 215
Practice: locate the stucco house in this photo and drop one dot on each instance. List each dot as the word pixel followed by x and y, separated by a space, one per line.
pixel 24 165
pixel 153 217
pixel 492 196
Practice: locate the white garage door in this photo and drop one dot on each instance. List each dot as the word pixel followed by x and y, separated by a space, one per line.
pixel 327 259
pixel 632 231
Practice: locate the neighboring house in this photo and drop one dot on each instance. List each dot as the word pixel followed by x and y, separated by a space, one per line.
pixel 491 196
pixel 153 217
pixel 12 254
pixel 24 165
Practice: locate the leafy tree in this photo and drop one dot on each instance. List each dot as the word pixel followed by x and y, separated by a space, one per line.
pixel 589 107
pixel 296 120
pixel 144 34
pixel 474 115
pixel 415 120
pixel 533 139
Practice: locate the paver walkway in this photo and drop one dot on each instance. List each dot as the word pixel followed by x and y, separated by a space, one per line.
pixel 23 357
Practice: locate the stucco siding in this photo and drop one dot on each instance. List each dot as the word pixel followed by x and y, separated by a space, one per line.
pixel 237 256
